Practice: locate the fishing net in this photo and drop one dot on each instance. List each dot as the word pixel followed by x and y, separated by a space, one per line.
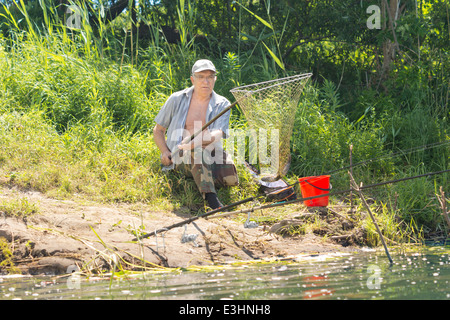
pixel 270 109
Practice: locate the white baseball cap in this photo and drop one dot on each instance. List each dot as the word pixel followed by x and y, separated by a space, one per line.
pixel 202 65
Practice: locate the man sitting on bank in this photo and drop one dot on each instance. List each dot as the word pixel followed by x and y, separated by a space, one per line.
pixel 183 114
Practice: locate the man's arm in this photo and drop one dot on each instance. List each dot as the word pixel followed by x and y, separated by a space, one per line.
pixel 159 136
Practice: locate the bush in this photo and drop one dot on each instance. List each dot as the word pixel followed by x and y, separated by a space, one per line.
pixel 322 138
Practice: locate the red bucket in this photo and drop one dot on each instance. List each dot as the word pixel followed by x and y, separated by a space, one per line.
pixel 315 186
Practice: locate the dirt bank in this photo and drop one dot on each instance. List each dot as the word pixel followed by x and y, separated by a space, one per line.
pixel 65 235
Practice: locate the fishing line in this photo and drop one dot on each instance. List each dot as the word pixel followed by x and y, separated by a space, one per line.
pixel 278 204
pixel 393 155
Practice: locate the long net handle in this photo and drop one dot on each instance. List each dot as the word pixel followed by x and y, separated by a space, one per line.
pixel 206 125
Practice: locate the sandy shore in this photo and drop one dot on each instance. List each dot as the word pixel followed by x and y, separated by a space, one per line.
pixel 67 235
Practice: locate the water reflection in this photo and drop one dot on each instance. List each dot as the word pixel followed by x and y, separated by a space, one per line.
pixel 361 276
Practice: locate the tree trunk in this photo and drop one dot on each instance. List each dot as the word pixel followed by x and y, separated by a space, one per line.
pixel 391 12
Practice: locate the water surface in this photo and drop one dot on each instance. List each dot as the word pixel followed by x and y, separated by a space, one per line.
pixel 421 275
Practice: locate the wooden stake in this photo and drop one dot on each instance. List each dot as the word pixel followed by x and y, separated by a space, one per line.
pixel 443 202
pixel 358 190
pixel 351 172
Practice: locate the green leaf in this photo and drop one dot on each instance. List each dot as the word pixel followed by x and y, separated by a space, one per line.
pixel 249 37
pixel 278 61
pixel 264 22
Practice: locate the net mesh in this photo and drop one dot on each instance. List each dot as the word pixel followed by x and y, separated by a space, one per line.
pixel 269 108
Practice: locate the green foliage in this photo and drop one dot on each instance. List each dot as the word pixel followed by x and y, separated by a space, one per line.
pixel 20 208
pixel 70 89
pixel 7 257
pixel 322 136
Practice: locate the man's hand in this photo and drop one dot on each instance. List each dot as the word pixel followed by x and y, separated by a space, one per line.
pixel 186 144
pixel 166 158
pixel 160 140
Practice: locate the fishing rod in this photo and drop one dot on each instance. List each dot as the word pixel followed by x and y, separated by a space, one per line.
pixel 229 206
pixel 278 204
pixel 424 147
pixel 358 190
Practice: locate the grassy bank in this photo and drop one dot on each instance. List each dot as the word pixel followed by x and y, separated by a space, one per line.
pixel 76 112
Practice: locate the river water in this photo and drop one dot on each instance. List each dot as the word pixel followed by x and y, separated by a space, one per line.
pixel 424 274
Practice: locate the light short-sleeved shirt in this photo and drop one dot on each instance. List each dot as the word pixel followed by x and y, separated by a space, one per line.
pixel 172 116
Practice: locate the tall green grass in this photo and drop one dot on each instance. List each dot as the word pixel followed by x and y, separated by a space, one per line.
pixel 78 115
pixel 321 143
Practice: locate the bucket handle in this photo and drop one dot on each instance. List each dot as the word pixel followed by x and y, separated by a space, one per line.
pixel 323 189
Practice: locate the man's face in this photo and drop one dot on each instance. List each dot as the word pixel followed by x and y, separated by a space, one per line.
pixel 204 81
